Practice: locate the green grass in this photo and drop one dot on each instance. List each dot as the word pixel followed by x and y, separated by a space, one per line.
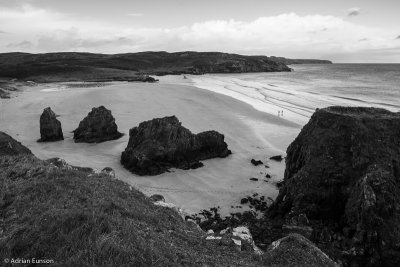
pixel 80 220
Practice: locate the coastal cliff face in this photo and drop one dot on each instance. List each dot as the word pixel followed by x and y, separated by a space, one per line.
pixel 98 126
pixel 50 127
pixel 160 144
pixel 343 170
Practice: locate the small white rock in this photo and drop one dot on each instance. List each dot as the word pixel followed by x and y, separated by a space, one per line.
pixel 164 204
pixel 237 242
pixel 224 231
pixel 210 232
pixel 210 237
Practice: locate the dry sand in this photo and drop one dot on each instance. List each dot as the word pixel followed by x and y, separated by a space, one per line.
pixel 221 182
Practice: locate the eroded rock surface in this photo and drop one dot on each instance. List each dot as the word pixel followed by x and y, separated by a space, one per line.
pixel 50 127
pixel 343 171
pixel 98 126
pixel 296 250
pixel 160 144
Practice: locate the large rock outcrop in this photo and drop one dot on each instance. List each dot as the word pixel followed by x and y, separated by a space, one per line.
pixel 50 127
pixel 159 144
pixel 343 170
pixel 11 147
pixel 98 126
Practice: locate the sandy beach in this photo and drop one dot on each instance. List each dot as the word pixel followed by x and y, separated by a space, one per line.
pixel 221 182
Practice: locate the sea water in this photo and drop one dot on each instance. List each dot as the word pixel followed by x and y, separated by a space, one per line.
pixel 310 86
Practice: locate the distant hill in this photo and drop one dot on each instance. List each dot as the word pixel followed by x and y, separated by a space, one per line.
pixel 70 66
pixel 288 61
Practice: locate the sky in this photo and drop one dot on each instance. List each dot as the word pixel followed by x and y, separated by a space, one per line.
pixel 353 31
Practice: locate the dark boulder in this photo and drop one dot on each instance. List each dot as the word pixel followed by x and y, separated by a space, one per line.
pixel 253 179
pixel 343 170
pixel 256 162
pixel 277 158
pixel 50 127
pixel 244 201
pixel 98 126
pixel 11 147
pixel 160 144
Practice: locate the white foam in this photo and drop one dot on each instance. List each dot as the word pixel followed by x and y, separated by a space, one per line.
pixel 54 89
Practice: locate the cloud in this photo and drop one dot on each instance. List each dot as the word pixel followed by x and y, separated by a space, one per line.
pixel 135 14
pixel 21 45
pixel 289 35
pixel 354 11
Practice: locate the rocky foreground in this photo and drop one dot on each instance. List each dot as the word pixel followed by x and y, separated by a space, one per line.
pixel 157 145
pixel 343 172
pixel 77 217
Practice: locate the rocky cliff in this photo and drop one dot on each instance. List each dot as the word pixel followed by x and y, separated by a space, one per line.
pixel 11 147
pixel 50 127
pixel 160 144
pixel 98 126
pixel 343 172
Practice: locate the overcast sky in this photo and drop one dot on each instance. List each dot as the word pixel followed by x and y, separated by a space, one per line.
pixel 340 30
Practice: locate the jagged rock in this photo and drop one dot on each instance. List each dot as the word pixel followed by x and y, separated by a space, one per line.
pixel 296 250
pixel 256 162
pixel 11 147
pixel 98 126
pixel 344 169
pixel 50 127
pixel 157 197
pixel 242 237
pixel 160 144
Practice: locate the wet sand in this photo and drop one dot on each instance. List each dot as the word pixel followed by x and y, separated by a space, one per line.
pixel 221 182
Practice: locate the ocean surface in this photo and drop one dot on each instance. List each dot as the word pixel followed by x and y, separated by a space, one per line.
pixel 312 86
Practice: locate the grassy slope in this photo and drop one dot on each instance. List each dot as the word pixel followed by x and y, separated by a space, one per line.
pixel 87 65
pixel 78 220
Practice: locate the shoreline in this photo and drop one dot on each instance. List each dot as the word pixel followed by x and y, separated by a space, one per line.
pixel 221 182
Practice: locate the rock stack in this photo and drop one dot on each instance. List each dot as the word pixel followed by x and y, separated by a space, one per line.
pixel 343 172
pixel 160 144
pixel 50 127
pixel 98 126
